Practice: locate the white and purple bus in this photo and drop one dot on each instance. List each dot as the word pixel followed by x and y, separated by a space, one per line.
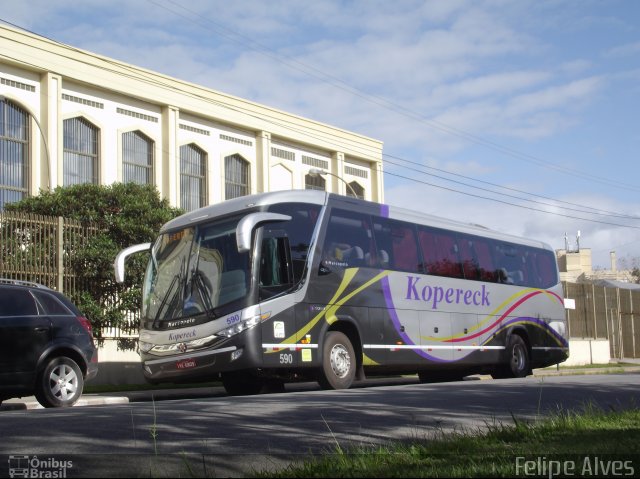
pixel 299 285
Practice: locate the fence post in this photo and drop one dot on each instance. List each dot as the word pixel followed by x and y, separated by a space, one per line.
pixel 60 253
pixel 633 328
pixel 595 314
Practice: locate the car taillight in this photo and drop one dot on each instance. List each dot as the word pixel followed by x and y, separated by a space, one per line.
pixel 86 324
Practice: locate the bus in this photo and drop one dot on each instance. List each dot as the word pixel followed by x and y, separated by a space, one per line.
pixel 308 285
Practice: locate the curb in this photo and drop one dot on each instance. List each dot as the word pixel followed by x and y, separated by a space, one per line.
pixel 21 404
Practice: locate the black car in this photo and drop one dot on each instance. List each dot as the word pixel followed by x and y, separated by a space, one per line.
pixel 46 345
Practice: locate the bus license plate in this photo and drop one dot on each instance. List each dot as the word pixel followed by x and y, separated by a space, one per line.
pixel 186 364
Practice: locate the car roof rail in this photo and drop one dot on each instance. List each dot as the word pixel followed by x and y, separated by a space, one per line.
pixel 19 282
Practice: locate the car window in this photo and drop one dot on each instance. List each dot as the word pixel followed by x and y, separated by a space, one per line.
pixel 50 305
pixel 16 302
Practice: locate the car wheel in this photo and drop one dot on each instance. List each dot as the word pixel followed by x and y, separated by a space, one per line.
pixel 338 362
pixel 60 383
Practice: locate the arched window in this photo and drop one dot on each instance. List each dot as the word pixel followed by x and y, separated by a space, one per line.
pixel 193 181
pixel 137 158
pixel 14 153
pixel 80 152
pixel 236 176
pixel 357 189
pixel 314 183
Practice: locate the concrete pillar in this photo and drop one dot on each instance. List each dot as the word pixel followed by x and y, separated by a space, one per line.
pixel 337 168
pixel 49 169
pixel 263 161
pixel 170 187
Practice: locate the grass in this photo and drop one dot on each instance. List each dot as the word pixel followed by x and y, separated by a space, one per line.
pixel 567 438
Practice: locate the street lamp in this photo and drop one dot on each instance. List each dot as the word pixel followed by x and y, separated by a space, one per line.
pixel 319 172
pixel 44 139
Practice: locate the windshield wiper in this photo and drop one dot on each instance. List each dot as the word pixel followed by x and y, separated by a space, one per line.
pixel 168 297
pixel 204 293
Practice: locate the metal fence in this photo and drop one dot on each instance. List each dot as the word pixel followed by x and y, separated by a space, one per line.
pixel 42 249
pixel 606 313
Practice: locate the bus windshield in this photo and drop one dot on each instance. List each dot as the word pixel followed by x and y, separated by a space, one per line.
pixel 195 270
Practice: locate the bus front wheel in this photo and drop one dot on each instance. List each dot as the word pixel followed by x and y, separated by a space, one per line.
pixel 338 362
pixel 519 363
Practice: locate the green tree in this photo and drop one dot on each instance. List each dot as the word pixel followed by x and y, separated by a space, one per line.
pixel 125 214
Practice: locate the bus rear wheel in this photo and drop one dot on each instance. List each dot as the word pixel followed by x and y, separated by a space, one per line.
pixel 338 362
pixel 519 363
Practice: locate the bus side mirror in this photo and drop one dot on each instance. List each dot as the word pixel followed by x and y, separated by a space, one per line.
pixel 118 264
pixel 247 224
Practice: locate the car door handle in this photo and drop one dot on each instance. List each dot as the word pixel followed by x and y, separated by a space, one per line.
pixel 41 330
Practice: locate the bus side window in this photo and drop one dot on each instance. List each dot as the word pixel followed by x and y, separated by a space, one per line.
pixel 486 268
pixel 348 239
pixel 275 269
pixel 468 258
pixel 440 252
pixel 511 264
pixel 397 239
pixel 546 268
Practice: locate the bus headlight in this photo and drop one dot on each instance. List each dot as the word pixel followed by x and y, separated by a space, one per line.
pixel 144 347
pixel 240 327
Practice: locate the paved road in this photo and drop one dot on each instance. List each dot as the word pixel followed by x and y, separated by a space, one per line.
pixel 230 435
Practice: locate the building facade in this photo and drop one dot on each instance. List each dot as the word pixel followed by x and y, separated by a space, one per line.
pixel 575 266
pixel 69 116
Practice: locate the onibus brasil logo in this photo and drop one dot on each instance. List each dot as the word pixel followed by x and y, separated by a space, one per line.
pixel 32 466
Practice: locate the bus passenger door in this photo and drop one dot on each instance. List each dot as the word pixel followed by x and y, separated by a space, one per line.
pixel 435 335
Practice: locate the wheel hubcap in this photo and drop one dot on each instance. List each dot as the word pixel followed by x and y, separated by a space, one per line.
pixel 63 382
pixel 518 357
pixel 340 361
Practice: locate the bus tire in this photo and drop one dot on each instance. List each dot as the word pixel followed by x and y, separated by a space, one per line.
pixel 519 363
pixel 338 362
pixel 242 383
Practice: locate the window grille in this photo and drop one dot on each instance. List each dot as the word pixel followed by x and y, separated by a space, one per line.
pixel 193 168
pixel 314 183
pixel 195 130
pixel 236 174
pixel 284 154
pixel 14 153
pixel 137 158
pixel 80 155
pixel 349 170
pixel 135 114
pixel 357 189
pixel 17 84
pixel 83 101
pixel 316 162
pixel 236 140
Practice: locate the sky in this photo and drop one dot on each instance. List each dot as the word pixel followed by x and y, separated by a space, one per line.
pixel 519 115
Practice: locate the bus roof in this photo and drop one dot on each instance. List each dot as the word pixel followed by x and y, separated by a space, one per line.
pixel 250 202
